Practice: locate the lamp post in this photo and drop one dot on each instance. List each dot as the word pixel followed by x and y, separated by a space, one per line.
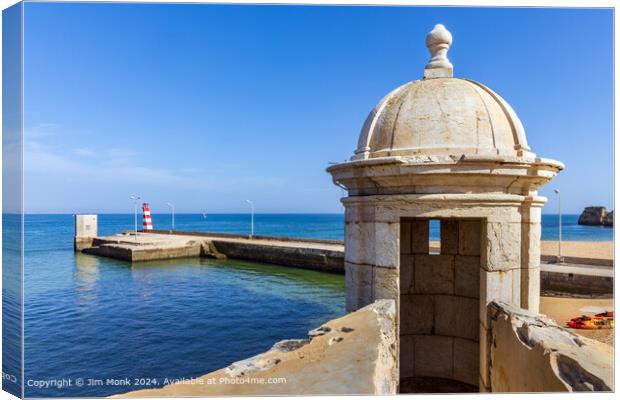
pixel 135 214
pixel 252 223
pixel 172 206
pixel 560 259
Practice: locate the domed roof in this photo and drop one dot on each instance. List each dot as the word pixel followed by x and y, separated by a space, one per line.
pixel 441 115
pixel 443 136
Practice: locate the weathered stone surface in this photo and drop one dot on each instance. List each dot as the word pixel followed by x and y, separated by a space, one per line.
pixel 135 252
pixel 477 123
pixel 405 236
pixel 503 247
pixel 530 289
pixel 434 274
pixel 494 286
pixel 531 214
pixel 492 207
pixel 469 237
pixel 485 356
pixel 516 286
pixel 82 243
pixel 433 356
pixel 406 356
pixel 419 236
pixel 327 258
pixel 531 353
pixel 353 251
pixel 406 274
pixel 466 361
pixel 386 244
pixel 592 216
pixel 360 240
pixel 361 361
pixel 467 276
pixel 385 283
pixel 530 245
pixel 358 280
pixel 360 213
pixel 450 236
pixel 456 316
pixel 417 314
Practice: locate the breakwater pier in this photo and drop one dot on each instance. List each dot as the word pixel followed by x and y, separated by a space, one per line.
pixel 580 275
pixel 320 255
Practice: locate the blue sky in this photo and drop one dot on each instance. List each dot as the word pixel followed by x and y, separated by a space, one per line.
pixel 205 106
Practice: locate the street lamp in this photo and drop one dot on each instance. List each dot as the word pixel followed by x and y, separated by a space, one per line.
pixel 252 208
pixel 135 214
pixel 560 259
pixel 172 206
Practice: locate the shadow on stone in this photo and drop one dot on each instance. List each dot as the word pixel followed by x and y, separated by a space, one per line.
pixel 434 385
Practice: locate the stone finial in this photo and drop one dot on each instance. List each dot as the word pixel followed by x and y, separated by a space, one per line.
pixel 438 42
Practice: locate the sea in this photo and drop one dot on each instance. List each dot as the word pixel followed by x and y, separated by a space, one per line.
pixel 96 326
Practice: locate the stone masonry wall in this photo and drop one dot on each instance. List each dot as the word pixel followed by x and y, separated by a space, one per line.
pixel 439 301
pixel 529 352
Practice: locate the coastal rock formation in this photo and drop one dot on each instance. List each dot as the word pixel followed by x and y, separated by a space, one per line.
pixel 531 353
pixel 354 354
pixel 593 216
pixel 608 220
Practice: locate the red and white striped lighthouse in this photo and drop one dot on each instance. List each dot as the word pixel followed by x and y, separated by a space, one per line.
pixel 147 224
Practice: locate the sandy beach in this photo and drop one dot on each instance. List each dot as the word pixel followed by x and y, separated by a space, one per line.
pixel 562 309
pixel 600 250
pixel 603 250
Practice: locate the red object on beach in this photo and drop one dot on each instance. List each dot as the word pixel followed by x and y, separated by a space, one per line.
pixel 606 314
pixel 603 320
pixel 147 224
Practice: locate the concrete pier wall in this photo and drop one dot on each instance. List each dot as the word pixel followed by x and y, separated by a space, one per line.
pixel 598 282
pixel 132 253
pixel 309 258
pixel 255 237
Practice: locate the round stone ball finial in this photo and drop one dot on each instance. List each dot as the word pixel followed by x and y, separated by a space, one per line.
pixel 438 42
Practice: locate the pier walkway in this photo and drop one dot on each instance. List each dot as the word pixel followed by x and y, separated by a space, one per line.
pixel 322 255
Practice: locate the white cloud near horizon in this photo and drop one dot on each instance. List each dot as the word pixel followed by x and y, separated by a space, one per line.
pixel 83 151
pixel 61 179
pixel 42 158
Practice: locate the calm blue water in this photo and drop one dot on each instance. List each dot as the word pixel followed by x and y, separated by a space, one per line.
pixel 11 303
pixel 89 317
pixel 572 231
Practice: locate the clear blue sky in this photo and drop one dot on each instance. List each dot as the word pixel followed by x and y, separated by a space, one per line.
pixel 205 106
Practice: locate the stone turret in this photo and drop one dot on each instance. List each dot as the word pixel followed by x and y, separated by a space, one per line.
pixel 447 149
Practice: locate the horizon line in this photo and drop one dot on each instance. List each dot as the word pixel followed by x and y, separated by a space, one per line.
pixel 213 213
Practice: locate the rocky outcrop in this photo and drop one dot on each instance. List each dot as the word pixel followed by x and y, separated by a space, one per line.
pixel 355 354
pixel 608 220
pixel 531 353
pixel 595 216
